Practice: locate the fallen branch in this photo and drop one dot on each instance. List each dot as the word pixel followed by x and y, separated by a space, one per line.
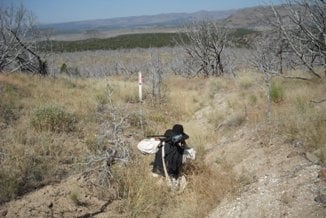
pixel 296 77
pixel 318 102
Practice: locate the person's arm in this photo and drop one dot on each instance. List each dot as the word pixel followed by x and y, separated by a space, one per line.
pixel 184 144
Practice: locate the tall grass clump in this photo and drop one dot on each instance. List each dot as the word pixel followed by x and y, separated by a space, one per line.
pixel 276 92
pixel 54 119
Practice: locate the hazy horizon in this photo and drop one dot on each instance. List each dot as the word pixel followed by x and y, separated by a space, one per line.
pixel 60 11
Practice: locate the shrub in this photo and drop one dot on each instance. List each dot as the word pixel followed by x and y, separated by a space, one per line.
pixel 64 68
pixel 8 186
pixel 135 119
pixel 7 113
pixel 10 96
pixel 102 99
pixel 276 93
pixel 53 119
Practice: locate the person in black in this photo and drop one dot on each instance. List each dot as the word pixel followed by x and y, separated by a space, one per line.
pixel 174 145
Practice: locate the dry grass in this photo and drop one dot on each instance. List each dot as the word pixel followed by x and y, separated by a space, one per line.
pixel 40 145
pixel 38 156
pixel 146 196
pixel 207 108
pixel 297 118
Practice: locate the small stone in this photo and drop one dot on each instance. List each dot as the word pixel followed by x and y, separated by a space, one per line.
pixel 298 143
pixel 50 205
pixel 321 199
pixel 295 153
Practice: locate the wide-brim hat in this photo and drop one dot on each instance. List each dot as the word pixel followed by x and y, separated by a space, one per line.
pixel 178 129
pixel 168 133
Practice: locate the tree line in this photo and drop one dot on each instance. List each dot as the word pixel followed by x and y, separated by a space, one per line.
pixel 239 37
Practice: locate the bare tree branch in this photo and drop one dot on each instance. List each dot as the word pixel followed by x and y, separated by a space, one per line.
pixel 304 30
pixel 16 46
pixel 204 43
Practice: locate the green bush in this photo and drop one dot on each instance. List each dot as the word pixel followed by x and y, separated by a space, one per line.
pixel 276 93
pixel 64 68
pixel 102 98
pixel 53 119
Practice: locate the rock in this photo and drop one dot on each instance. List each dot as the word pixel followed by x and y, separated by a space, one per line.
pixel 50 205
pixel 322 174
pixel 3 213
pixel 321 199
pixel 312 158
pixel 298 143
pixel 294 153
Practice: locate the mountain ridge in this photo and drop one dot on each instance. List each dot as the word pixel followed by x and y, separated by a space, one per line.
pixel 134 22
pixel 257 18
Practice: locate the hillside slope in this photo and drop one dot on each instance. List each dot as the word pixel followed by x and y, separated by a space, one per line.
pixel 277 177
pixel 278 180
pixel 246 167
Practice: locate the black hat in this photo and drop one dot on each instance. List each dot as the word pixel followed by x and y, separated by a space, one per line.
pixel 178 129
pixel 168 133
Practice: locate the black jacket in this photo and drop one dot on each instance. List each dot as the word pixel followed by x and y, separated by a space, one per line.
pixel 173 159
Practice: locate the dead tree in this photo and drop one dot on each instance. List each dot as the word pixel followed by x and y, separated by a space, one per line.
pixel 304 30
pixel 155 71
pixel 204 43
pixel 266 62
pixel 17 49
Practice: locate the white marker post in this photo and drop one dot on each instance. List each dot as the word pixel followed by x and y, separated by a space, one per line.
pixel 140 86
pixel 140 92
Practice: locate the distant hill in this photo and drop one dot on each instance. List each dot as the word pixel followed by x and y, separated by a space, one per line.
pixel 255 18
pixel 137 22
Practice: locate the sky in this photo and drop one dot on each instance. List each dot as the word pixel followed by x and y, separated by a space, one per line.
pixel 57 11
